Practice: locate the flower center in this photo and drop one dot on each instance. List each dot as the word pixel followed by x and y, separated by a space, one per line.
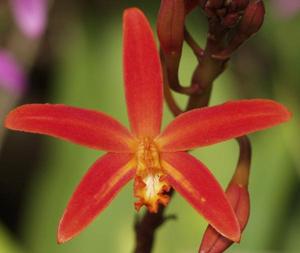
pixel 149 185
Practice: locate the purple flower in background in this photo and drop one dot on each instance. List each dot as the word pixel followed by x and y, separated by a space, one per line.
pixel 12 76
pixel 31 16
pixel 12 85
pixel 287 8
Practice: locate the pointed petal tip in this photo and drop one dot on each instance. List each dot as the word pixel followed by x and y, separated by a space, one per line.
pixel 62 236
pixel 235 234
pixel 232 233
pixel 277 108
pixel 10 118
pixel 65 232
pixel 282 110
pixel 132 10
pixel 60 239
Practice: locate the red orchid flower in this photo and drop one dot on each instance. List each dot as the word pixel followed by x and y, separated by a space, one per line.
pixel 155 160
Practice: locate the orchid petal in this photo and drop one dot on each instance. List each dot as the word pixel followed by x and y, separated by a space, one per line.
pixel 86 127
pixel 198 186
pixel 31 16
pixel 238 196
pixel 142 75
pixel 96 190
pixel 202 127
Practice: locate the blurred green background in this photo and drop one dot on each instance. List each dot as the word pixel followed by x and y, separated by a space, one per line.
pixel 80 64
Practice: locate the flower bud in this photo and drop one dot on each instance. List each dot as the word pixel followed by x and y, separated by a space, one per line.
pixel 212 241
pixel 170 30
pixel 237 5
pixel 250 23
pixel 202 3
pixel 253 18
pixel 238 196
pixel 231 20
pixel 214 4
pixel 190 5
pixel 170 25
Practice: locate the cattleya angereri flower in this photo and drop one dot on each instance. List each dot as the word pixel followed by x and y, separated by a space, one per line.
pixel 30 16
pixel 155 160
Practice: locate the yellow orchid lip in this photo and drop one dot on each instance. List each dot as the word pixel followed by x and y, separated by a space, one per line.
pixel 150 186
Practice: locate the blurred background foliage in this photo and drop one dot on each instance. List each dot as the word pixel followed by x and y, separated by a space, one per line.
pixel 80 63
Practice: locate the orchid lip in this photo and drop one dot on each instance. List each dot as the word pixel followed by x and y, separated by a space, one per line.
pixel 150 186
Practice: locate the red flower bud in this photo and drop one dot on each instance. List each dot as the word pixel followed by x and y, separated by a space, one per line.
pixel 231 19
pixel 253 18
pixel 237 5
pixel 170 25
pixel 170 30
pixel 250 23
pixel 214 4
pixel 190 5
pixel 238 196
pixel 202 3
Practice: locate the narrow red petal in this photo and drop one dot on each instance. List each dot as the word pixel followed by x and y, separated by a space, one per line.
pixel 202 127
pixel 86 127
pixel 199 187
pixel 238 196
pixel 142 75
pixel 96 190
